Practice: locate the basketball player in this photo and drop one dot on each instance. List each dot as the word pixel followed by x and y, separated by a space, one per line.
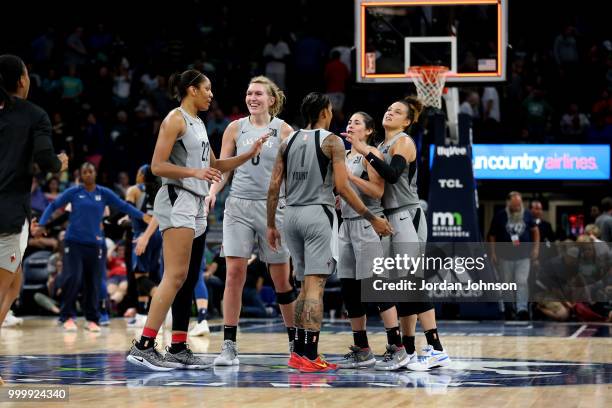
pixel 401 203
pixel 359 245
pixel 184 160
pixel 146 253
pixel 310 162
pixel 244 222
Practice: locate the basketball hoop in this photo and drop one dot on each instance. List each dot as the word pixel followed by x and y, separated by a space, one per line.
pixel 429 81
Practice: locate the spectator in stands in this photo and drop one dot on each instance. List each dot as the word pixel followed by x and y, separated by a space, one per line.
pixel 275 53
pixel 471 105
pixel 122 184
pixel 38 201
pixel 252 305
pixel 604 221
pixel 538 113
pixel 52 189
pixel 71 84
pixel 565 48
pixel 514 225
pixel 336 76
pixel 574 124
pixel 116 272
pixel 76 53
pixel 122 87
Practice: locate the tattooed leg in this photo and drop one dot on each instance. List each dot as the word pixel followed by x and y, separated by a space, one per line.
pixel 312 314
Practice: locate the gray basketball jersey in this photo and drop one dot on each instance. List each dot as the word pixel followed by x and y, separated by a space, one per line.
pixel 404 192
pixel 252 179
pixel 309 179
pixel 192 150
pixel 356 166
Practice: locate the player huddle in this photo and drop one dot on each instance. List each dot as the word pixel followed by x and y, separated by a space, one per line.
pixel 283 198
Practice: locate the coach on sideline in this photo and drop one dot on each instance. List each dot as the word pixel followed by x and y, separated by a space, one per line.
pixel 25 137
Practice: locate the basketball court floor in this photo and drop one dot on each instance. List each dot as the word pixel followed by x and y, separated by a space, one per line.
pixel 494 363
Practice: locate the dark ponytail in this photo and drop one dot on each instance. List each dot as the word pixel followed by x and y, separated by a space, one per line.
pixel 151 183
pixel 180 82
pixel 11 70
pixel 415 107
pixel 312 105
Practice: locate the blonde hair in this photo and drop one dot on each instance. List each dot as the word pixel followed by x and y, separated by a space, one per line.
pixel 274 91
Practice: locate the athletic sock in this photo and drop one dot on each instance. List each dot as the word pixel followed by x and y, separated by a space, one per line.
pixel 408 342
pixel 393 336
pixel 298 345
pixel 433 339
pixel 311 344
pixel 179 342
pixel 229 333
pixel 147 339
pixel 291 333
pixel 202 314
pixel 360 337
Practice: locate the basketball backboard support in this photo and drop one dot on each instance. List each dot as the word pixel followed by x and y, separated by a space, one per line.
pixel 468 36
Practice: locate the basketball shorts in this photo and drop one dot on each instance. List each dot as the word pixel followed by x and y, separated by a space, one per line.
pixel 12 248
pixel 311 232
pixel 358 246
pixel 245 224
pixel 176 207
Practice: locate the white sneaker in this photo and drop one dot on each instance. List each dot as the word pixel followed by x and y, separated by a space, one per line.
pixel 11 321
pixel 200 329
pixel 430 358
pixel 229 354
pixel 138 321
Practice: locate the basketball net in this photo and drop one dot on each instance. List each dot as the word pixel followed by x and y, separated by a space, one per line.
pixel 429 81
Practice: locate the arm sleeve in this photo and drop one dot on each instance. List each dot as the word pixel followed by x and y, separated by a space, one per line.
pixel 117 203
pixel 59 202
pixel 390 172
pixel 43 147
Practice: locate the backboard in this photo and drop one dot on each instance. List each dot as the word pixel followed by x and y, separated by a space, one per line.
pixel 468 36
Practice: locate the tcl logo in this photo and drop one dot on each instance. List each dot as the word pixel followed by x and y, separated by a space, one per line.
pixel 450 183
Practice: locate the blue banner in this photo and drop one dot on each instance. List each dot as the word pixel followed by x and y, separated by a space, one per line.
pixel 539 162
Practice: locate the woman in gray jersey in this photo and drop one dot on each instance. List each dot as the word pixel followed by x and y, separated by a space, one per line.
pixel 244 221
pixel 401 203
pixel 359 245
pixel 184 160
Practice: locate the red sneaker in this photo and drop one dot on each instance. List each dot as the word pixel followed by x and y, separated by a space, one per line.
pixel 317 366
pixel 295 361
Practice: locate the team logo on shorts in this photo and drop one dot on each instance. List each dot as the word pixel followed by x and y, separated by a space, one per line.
pixel 13 257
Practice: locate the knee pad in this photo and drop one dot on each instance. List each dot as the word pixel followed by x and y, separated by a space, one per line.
pixel 405 309
pixel 285 298
pixel 384 306
pixel 144 286
pixel 351 295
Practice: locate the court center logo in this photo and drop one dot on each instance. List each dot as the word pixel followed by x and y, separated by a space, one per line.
pixel 448 224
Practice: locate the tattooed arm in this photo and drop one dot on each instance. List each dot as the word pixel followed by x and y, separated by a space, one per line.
pixel 333 148
pixel 278 174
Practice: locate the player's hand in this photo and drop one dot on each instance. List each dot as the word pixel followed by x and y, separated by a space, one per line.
pixel 209 174
pixel 39 231
pixel 257 146
pixel 141 245
pixel 274 239
pixel 381 226
pixel 209 203
pixel 64 159
pixel 357 144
